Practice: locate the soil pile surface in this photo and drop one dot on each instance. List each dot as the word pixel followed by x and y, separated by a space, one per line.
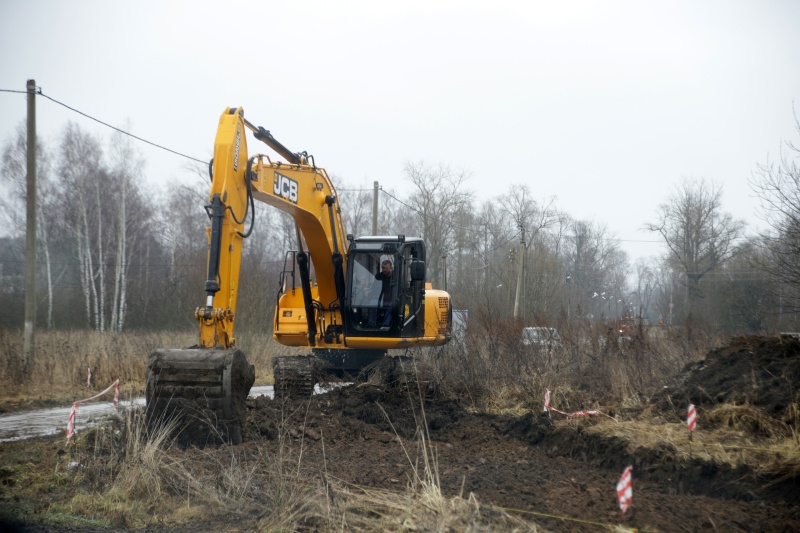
pixel 759 371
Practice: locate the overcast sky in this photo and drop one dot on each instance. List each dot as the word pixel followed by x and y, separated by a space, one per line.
pixel 603 105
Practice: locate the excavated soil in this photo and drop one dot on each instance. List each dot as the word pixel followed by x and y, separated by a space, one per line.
pixel 550 470
pixel 760 371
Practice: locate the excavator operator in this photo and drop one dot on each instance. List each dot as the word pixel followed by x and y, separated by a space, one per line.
pixel 385 298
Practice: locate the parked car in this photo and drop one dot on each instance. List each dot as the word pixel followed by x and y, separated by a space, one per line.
pixel 547 339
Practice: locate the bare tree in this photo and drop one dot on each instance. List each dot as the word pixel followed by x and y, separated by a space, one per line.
pixel 80 171
pixel 747 296
pixel 107 217
pixel 531 219
pixel 591 256
pixel 645 286
pixel 127 167
pixel 182 224
pixel 778 189
pixel 699 235
pixel 12 205
pixel 356 205
pixel 490 240
pixel 439 197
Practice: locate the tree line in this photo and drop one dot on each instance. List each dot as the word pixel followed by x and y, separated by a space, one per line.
pixel 113 257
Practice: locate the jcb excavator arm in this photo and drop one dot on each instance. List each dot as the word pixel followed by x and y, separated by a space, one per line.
pixel 212 380
pixel 301 190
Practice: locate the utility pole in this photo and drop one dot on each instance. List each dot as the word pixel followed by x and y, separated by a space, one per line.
pixel 375 209
pixel 568 279
pixel 444 269
pixel 520 274
pixel 30 240
pixel 670 309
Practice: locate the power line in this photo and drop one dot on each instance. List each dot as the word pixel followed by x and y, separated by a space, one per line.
pixel 39 92
pixel 497 247
pixel 420 213
pixel 200 264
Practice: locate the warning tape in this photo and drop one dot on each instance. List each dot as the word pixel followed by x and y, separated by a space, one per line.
pixel 576 414
pixel 76 404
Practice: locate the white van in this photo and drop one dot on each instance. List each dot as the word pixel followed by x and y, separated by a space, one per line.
pixel 547 338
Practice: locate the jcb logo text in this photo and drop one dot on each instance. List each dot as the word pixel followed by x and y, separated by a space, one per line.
pixel 285 187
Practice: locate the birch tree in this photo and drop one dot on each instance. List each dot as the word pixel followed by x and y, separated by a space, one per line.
pixel 127 171
pixel 81 172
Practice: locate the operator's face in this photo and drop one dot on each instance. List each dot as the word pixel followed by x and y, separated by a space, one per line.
pixel 386 269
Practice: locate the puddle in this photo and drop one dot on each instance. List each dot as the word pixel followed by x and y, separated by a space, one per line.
pixel 28 424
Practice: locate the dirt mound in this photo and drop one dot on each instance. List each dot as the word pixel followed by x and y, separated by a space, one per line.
pixel 751 370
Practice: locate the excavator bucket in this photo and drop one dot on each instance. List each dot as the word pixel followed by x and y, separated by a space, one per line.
pixel 202 390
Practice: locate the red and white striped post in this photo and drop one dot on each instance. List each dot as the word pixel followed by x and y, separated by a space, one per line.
pixel 71 423
pixel 547 401
pixel 625 489
pixel 89 379
pixel 691 420
pixel 116 394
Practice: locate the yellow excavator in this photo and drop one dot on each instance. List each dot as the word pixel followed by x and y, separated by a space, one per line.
pixel 349 300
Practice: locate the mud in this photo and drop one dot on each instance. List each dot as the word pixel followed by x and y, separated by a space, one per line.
pixel 545 468
pixel 533 465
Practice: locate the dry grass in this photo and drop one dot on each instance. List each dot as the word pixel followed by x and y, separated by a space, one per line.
pixel 128 475
pixel 360 509
pixel 728 434
pixel 494 371
pixel 59 370
pixel 59 367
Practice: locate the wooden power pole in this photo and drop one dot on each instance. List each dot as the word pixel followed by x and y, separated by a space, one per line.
pixel 520 274
pixel 375 209
pixel 30 240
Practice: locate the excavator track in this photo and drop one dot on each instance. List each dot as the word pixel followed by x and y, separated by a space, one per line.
pixel 295 376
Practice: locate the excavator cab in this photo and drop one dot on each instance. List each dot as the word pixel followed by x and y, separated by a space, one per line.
pixel 386 286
